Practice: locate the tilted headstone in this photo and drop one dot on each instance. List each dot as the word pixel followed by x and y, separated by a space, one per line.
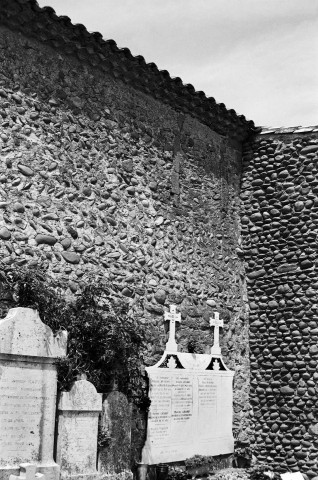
pixel 114 459
pixel 78 412
pixel 28 384
pixel 191 408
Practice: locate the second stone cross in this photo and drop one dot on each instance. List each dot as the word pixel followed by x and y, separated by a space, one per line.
pixel 216 323
pixel 173 317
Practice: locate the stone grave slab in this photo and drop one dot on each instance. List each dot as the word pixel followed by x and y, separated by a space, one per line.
pixel 191 406
pixel 78 430
pixel 28 385
pixel 114 460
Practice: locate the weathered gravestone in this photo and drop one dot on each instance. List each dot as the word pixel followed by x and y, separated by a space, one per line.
pixel 191 406
pixel 28 384
pixel 77 431
pixel 114 460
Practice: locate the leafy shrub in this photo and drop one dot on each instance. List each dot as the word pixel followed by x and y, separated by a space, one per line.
pixel 263 471
pixel 104 341
pixel 177 473
pixel 242 455
pixel 199 461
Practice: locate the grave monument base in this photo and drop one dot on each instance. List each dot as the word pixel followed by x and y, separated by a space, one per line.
pixel 81 476
pixel 51 471
pixel 124 475
pixel 179 451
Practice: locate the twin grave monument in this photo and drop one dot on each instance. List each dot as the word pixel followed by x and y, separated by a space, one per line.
pixel 190 412
pixel 191 402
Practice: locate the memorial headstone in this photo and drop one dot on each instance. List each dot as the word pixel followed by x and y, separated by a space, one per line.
pixel 191 407
pixel 114 460
pixel 78 412
pixel 28 385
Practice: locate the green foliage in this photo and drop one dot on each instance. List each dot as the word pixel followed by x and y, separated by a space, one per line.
pixel 104 437
pixel 199 461
pixel 263 471
pixel 104 342
pixel 195 344
pixel 242 455
pixel 177 473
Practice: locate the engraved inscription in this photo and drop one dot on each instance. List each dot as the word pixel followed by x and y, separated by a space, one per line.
pixel 182 406
pixel 80 442
pixel 207 392
pixel 25 394
pixel 160 411
pixel 207 407
pixel 171 408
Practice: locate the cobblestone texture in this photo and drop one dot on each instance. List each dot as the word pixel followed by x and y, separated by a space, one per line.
pixel 279 226
pixel 98 179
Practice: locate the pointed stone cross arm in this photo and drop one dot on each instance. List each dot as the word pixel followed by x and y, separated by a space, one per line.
pixel 173 317
pixel 28 472
pixel 216 323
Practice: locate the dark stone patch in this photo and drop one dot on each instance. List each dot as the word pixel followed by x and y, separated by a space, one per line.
pixel 5 234
pixel 27 171
pixel 45 239
pixel 71 257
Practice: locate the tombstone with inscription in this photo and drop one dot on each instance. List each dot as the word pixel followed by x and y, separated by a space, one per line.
pixel 191 404
pixel 114 459
pixel 28 384
pixel 77 431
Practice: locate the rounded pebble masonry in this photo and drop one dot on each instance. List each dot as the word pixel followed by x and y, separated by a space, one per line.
pixel 99 180
pixel 279 229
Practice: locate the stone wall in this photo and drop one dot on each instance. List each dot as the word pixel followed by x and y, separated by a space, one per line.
pixel 279 225
pixel 99 180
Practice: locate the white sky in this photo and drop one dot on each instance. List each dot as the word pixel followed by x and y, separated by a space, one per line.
pixel 259 57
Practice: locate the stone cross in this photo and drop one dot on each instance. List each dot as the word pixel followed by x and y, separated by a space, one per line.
pixel 28 472
pixel 173 317
pixel 216 323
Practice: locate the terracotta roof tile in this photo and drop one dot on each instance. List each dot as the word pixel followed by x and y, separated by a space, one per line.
pixel 59 32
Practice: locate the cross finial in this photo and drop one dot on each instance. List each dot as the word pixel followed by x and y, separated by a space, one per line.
pixel 28 472
pixel 216 323
pixel 173 317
